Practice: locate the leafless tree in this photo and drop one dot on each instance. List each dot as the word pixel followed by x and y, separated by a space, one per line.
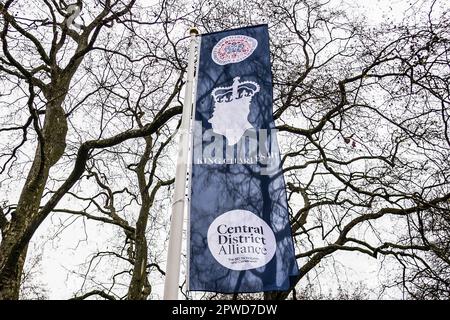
pixel 364 113
pixel 54 73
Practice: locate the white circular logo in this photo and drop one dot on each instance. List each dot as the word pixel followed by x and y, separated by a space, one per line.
pixel 240 240
pixel 233 49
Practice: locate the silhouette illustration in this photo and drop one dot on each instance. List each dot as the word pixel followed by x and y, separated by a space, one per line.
pixel 231 109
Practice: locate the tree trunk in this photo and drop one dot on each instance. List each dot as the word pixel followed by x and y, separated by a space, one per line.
pixel 10 279
pixel 13 247
pixel 139 286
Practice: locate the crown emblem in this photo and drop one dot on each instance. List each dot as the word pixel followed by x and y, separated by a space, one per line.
pixel 231 109
pixel 238 90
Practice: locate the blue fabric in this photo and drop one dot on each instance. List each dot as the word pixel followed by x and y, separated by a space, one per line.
pixel 219 188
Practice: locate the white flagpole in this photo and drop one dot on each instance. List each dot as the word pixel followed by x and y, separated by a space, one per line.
pixel 176 223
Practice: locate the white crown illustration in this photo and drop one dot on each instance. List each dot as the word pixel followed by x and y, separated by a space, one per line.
pixel 236 91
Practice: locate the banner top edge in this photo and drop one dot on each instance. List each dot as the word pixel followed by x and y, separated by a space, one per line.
pixel 234 29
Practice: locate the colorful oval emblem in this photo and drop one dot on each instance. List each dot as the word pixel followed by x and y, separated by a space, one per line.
pixel 233 49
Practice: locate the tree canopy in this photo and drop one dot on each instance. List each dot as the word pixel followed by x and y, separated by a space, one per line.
pixel 91 97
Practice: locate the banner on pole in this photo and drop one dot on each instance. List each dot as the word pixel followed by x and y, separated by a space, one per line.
pixel 239 233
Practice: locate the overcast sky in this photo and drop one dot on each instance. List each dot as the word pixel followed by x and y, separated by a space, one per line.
pixel 70 246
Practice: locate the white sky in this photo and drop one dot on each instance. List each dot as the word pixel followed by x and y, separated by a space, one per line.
pixel 71 252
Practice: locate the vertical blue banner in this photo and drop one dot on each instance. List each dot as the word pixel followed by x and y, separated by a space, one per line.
pixel 239 234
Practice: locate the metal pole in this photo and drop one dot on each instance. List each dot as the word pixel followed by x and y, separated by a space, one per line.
pixel 176 223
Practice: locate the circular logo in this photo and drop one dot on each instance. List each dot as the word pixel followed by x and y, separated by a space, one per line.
pixel 240 240
pixel 233 49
